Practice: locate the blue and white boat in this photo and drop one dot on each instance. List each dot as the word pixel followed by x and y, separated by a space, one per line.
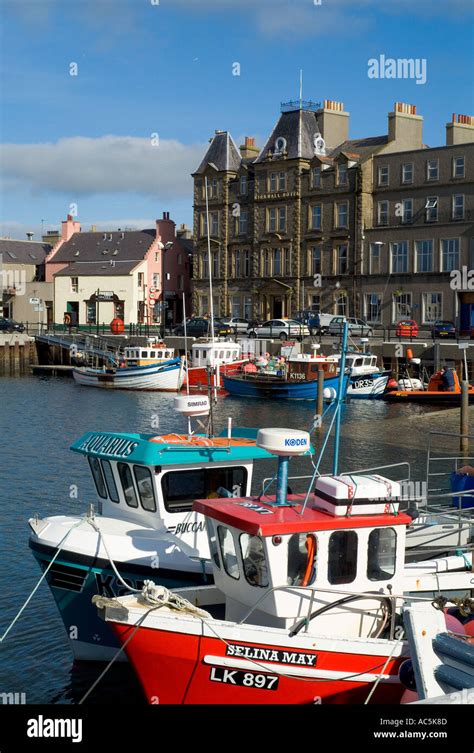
pixel 297 379
pixel 152 368
pixel 367 381
pixel 143 527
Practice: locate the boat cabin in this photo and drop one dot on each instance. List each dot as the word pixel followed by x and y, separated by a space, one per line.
pixel 214 354
pixel 306 369
pixel 153 480
pixel 285 561
pixel 360 363
pixel 146 356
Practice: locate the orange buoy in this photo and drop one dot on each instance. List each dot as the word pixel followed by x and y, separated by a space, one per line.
pixel 409 354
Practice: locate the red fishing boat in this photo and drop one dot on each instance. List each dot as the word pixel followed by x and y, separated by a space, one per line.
pixel 306 604
pixel 225 357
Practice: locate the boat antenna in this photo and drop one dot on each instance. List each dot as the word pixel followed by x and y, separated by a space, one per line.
pixel 339 399
pixel 209 264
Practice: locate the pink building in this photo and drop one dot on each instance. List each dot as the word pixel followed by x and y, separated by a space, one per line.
pixel 128 265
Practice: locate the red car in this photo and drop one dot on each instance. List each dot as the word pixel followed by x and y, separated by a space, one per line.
pixel 407 328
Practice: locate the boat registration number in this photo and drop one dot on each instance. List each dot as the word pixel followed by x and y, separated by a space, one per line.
pixel 244 679
pixel 360 384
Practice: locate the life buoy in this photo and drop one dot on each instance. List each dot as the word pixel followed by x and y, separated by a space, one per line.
pixel 152 295
pixel 152 290
pixel 67 319
pixel 311 551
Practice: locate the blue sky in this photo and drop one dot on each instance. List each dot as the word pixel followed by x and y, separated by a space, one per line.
pixel 146 67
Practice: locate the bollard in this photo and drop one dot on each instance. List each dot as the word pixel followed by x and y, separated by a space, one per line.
pixel 464 418
pixel 320 401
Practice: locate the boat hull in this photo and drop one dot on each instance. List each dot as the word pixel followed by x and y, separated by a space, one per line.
pixel 197 375
pixel 168 376
pixel 367 387
pixel 74 579
pixel 177 667
pixel 279 389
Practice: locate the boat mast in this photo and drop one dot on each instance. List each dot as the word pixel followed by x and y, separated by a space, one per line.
pixel 339 399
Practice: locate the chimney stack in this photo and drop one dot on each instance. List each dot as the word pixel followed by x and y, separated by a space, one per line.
pixel 30 235
pixel 69 227
pixel 248 150
pixel 405 128
pixel 333 122
pixel 460 130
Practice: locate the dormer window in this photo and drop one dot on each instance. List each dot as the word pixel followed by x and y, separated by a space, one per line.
pixel 341 174
pixel 280 146
pixel 316 177
pixel 319 144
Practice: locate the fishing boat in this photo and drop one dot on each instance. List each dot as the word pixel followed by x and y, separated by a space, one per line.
pixel 293 379
pixel 366 381
pixel 143 525
pixel 154 367
pixel 435 392
pixel 222 356
pixel 306 602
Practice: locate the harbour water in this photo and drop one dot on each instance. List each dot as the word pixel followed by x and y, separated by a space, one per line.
pixel 40 418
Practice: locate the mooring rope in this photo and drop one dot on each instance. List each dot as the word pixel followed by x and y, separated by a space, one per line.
pixel 20 612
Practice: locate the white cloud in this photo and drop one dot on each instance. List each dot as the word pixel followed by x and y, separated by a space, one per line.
pixel 110 164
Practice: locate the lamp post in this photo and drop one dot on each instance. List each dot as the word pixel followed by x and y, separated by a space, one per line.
pixel 164 247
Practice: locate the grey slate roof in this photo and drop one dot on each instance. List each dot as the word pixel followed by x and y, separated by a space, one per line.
pixel 223 154
pixel 23 252
pixel 93 246
pixel 102 268
pixel 298 127
pixel 361 147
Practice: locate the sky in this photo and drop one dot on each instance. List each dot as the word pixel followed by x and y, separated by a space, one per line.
pixel 107 106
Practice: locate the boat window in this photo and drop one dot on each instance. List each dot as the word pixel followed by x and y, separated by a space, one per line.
pixel 98 478
pixel 127 484
pixel 211 535
pixel 381 554
pixel 342 557
pixel 181 488
pixel 110 481
pixel 227 354
pixel 301 559
pixel 145 487
pixel 228 553
pixel 152 353
pixel 253 557
pixel 358 362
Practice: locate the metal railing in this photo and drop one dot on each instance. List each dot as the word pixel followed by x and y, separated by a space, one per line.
pixel 270 479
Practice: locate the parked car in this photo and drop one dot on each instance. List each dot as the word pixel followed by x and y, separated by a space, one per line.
pixel 9 325
pixel 444 329
pixel 236 324
pixel 319 323
pixel 356 326
pixel 407 328
pixel 199 326
pixel 316 322
pixel 285 329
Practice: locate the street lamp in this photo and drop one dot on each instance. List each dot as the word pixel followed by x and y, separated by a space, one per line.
pixel 164 247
